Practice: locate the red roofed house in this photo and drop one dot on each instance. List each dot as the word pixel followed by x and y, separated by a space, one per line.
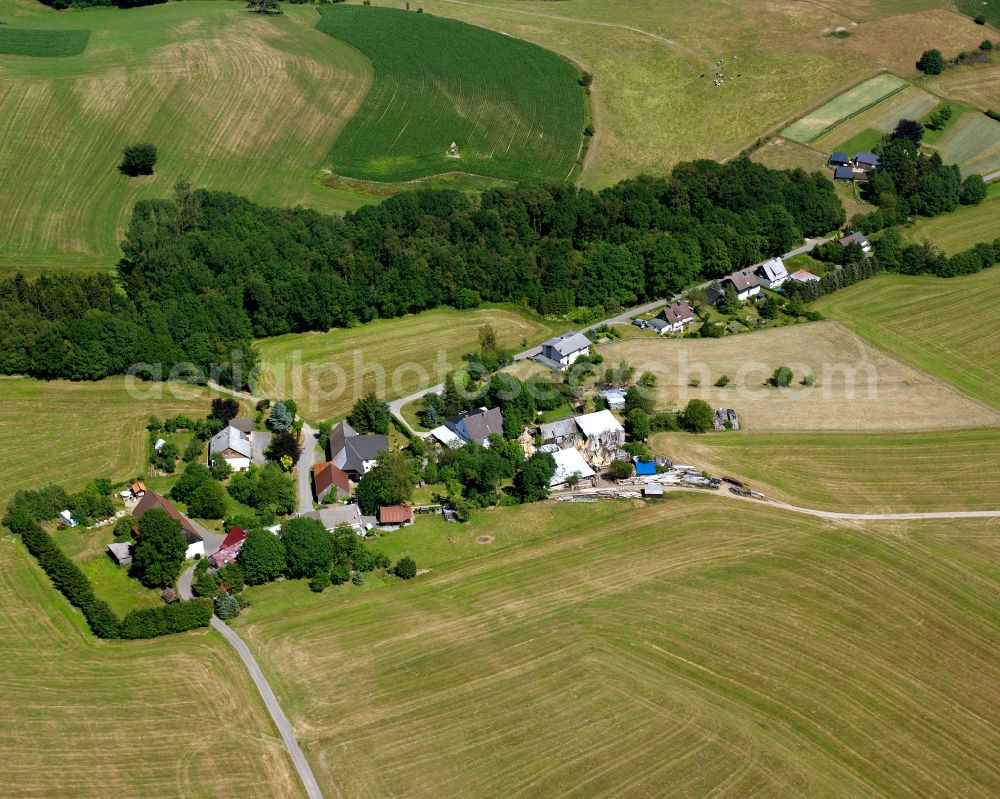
pixel 230 548
pixel 395 514
pixel 326 476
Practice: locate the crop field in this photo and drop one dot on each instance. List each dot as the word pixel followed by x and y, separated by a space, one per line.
pixel 859 387
pixel 71 433
pixel 910 103
pixel 31 41
pixel 677 644
pixel 901 472
pixel 903 314
pixel 78 712
pixel 232 100
pixel 513 109
pixel 327 372
pixel 959 230
pixel 852 102
pixel 973 143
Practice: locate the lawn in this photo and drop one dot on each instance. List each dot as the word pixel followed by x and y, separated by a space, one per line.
pixel 513 109
pixel 954 470
pixel 903 314
pixel 973 143
pixel 232 100
pixel 681 644
pixel 92 719
pixel 72 433
pixel 859 387
pixel 35 42
pixel 865 95
pixel 959 230
pixel 327 372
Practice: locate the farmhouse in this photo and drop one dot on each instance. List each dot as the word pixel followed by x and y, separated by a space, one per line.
pixel 674 317
pixel 839 158
pixel 193 533
pixel 327 477
pixel 569 462
pixel 802 276
pixel 231 546
pixel 857 238
pixel 563 350
pixel 745 282
pixel 233 446
pixel 332 516
pixel 477 425
pixel 843 173
pixel 866 161
pixel 772 273
pixel 355 454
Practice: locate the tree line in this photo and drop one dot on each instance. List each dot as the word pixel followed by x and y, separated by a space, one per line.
pixel 205 273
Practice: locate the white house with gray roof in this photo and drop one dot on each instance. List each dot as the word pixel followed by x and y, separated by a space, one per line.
pixel 355 454
pixel 477 425
pixel 233 446
pixel 565 349
pixel 772 273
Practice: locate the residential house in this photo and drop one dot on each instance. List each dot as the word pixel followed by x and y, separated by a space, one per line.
pixel 840 158
pixel 563 350
pixel 614 397
pixel 138 488
pixel 231 546
pixel 233 446
pixel 558 432
pixel 353 453
pixel 332 516
pixel 676 315
pixel 446 438
pixel 843 173
pixel 745 282
pixel 120 552
pixel 866 161
pixel 327 478
pixel 857 238
pixel 658 326
pixel 395 515
pixel 802 276
pixel 193 533
pixel 569 462
pixel 772 273
pixel 477 425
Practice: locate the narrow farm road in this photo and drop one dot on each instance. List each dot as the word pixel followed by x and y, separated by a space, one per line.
pixel 991 176
pixel 266 692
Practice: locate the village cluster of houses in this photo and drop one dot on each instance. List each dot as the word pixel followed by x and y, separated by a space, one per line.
pixel 857 168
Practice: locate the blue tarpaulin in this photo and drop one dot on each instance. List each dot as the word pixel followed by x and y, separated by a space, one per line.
pixel 642 468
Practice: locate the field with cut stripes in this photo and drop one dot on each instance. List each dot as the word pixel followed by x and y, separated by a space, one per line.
pixel 973 143
pixel 910 103
pixel 978 86
pixel 684 648
pixel 946 327
pixel 855 100
pixel 512 109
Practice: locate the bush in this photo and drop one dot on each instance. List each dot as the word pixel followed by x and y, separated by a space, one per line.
pixel 698 416
pixel 166 620
pixel 262 557
pixel 221 470
pixel 226 607
pixel 637 424
pixel 191 479
pixel 319 581
pixel 208 501
pixel 620 470
pixel 358 578
pixel 124 530
pixel 205 584
pixel 406 568
pixel 781 378
pixel 340 573
pixel 138 159
pixel 159 554
pixel 308 547
pixel 931 62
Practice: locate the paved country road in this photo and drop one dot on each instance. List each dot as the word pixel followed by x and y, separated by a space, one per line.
pixel 267 694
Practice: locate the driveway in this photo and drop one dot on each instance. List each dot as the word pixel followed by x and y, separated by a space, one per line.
pixel 306 461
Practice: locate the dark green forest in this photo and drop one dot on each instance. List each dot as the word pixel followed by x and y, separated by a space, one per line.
pixel 205 273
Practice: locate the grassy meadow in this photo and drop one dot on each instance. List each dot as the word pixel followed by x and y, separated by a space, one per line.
pixel 973 143
pixel 34 42
pixel 91 719
pixel 959 230
pixel 513 109
pixel 628 648
pixel 859 387
pixel 325 373
pixel 901 472
pixel 990 9
pixel 942 326
pixel 71 433
pixel 977 85
pixel 232 100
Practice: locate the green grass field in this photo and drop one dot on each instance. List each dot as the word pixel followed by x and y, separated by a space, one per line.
pixel 973 143
pixel 513 109
pixel 71 433
pixel 78 712
pixel 904 315
pixel 618 650
pixel 910 103
pixel 231 99
pixel 959 230
pixel 852 102
pixel 327 372
pixel 954 470
pixel 29 41
pixel 986 8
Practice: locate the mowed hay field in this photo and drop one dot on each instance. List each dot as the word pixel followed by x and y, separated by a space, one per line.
pixel 325 373
pixel 859 387
pixel 513 109
pixel 959 230
pixel 973 143
pixel 897 473
pixel 231 99
pixel 684 648
pixel 852 102
pixel 977 86
pixel 910 103
pixel 71 433
pixel 86 718
pixel 653 100
pixel 944 327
